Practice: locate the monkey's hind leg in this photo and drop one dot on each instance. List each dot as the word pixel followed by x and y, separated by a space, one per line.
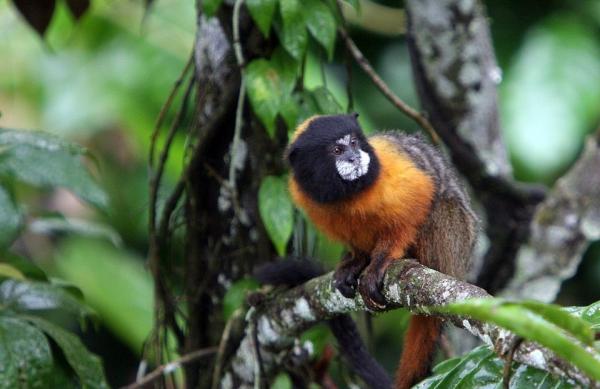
pixel 345 277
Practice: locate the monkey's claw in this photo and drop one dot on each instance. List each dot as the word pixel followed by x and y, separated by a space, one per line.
pixel 368 288
pixel 345 281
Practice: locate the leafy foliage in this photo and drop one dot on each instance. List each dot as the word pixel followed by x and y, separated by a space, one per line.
pixel 545 324
pixel 482 368
pixel 28 299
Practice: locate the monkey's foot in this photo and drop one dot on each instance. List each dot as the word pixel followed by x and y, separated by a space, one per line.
pixel 345 277
pixel 369 288
pixel 345 281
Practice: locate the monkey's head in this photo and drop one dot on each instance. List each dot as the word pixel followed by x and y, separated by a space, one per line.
pixel 331 159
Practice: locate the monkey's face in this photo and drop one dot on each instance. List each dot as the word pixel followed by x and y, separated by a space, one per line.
pixel 331 159
pixel 351 161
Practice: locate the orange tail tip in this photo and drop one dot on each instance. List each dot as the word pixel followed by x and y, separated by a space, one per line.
pixel 420 343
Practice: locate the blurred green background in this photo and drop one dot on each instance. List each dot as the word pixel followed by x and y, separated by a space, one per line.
pixel 101 82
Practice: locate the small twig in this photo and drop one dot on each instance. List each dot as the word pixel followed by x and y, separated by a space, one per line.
pixel 385 89
pixel 165 108
pixel 157 176
pixel 509 360
pixel 239 55
pixel 172 366
pixel 222 348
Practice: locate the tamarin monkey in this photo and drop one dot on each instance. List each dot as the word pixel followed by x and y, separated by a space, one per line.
pixel 387 197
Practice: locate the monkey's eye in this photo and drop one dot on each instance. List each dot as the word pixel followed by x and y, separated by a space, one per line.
pixel 353 142
pixel 337 150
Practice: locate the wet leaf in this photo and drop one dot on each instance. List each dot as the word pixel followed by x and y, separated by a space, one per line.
pixel 25 355
pixel 86 365
pixel 37 298
pixel 43 160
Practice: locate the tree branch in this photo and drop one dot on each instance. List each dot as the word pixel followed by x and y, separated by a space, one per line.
pixel 561 230
pixel 407 284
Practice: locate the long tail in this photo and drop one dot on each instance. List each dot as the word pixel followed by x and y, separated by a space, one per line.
pixel 296 272
pixel 420 343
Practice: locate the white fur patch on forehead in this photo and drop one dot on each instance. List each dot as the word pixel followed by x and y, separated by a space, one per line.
pixel 351 171
pixel 344 140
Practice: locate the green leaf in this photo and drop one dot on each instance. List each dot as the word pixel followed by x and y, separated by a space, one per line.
pixel 276 211
pixel 42 160
pixel 129 318
pixel 10 217
pixel 321 24
pixel 557 315
pixel 236 296
pixel 25 355
pixel 38 298
pixel 210 7
pixel 550 95
pixel 529 325
pixel 262 11
pixel 287 68
pixel 263 80
pixel 290 111
pixel 325 101
pixel 282 381
pixel 26 267
pixel 590 314
pixel 293 34
pixel 86 365
pixel 481 368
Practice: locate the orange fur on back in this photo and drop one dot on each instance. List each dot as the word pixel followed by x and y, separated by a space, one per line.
pixel 389 212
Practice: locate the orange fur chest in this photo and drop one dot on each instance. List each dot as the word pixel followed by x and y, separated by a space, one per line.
pixel 389 212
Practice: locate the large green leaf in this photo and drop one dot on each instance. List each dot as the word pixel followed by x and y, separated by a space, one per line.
pixel 325 101
pixel 38 298
pixel 43 160
pixel 129 318
pixel 10 217
pixel 530 325
pixel 269 84
pixel 320 23
pixel 293 35
pixel 262 83
pixel 25 355
pixel 550 95
pixel 481 368
pixel 86 365
pixel 262 11
pixel 276 211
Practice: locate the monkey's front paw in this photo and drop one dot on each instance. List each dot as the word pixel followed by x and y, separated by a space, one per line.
pixel 369 287
pixel 345 281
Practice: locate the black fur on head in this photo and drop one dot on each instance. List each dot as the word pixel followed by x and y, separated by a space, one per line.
pixel 314 164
